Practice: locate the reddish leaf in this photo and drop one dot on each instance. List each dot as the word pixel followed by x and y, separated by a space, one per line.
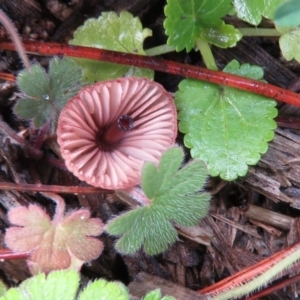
pixel 29 216
pixel 64 242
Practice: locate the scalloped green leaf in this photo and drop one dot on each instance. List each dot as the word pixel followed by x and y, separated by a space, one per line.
pixel 227 128
pixel 53 286
pixel 289 42
pixel 173 197
pixel 111 31
pixel 288 14
pixel 185 20
pixel 63 285
pixel 3 288
pixel 102 289
pixel 156 295
pixel 222 36
pixel 58 285
pixel 13 294
pixel 46 94
pixel 244 70
pixel 252 11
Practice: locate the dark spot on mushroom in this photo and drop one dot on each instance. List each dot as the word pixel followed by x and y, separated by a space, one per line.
pixel 125 123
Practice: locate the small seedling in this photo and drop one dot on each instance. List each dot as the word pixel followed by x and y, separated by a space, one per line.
pixel 64 285
pixel 188 22
pixel 226 128
pixel 44 95
pixel 111 31
pixel 64 242
pixel 156 295
pixel 169 195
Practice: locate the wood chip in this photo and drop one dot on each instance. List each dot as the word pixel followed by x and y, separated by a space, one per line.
pixel 144 283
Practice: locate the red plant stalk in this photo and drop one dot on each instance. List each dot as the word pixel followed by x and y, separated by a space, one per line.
pixel 7 254
pixel 158 64
pixel 7 76
pixel 23 187
pixel 248 274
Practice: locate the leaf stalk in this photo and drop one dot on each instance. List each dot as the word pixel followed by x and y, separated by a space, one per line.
pixel 11 29
pixel 207 55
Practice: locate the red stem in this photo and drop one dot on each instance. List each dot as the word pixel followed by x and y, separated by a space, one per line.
pixel 60 207
pixel 8 186
pixel 7 76
pixel 9 254
pixel 158 64
pixel 247 274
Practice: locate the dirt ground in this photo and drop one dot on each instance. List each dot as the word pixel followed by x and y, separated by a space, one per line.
pixel 250 218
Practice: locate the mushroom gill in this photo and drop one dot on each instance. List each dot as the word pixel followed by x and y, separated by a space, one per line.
pixel 108 130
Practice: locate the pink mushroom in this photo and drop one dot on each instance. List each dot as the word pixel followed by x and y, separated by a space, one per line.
pixel 108 130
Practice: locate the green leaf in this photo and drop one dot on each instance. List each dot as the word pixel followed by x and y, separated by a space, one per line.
pixel 2 288
pixel 13 294
pixel 223 36
pixel 156 295
pixel 173 197
pixel 288 14
pixel 53 286
pixel 63 285
pixel 46 94
pixel 57 285
pixel 244 70
pixel 102 289
pixel 252 11
pixel 289 42
pixel 142 226
pixel 110 31
pixel 185 20
pixel 156 180
pixel 226 128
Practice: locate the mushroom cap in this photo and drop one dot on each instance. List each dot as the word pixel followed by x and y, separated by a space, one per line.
pixel 108 130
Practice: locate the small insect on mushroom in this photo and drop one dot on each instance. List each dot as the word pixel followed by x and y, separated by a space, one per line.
pixel 108 130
